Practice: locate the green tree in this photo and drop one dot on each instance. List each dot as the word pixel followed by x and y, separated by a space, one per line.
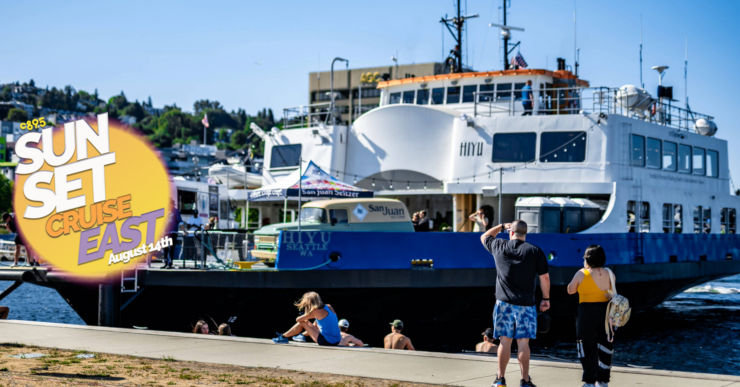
pixel 134 110
pixel 6 194
pixel 17 115
pixel 203 104
pixel 238 139
pixel 32 83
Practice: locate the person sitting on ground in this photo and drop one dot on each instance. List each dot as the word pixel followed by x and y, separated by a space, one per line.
pixel 10 224
pixel 347 339
pixel 201 327
pixel 4 311
pixel 395 340
pixel 325 332
pixel 489 344
pixel 224 330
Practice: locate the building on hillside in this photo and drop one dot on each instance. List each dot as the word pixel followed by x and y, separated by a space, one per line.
pixel 18 105
pixel 348 83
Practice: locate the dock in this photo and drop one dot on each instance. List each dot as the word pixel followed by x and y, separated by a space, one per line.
pixel 415 367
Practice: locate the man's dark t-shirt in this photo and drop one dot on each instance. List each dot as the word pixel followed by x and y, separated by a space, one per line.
pixel 518 264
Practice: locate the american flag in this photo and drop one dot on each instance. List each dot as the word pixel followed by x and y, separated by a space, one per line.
pixel 518 60
pixel 205 120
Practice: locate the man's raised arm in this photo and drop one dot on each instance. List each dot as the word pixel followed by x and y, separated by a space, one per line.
pixel 493 231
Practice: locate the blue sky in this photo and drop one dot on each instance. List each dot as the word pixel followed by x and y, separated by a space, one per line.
pixel 252 54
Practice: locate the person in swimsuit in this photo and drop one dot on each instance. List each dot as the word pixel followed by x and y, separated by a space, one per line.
pixel 592 283
pixel 489 344
pixel 325 332
pixel 395 340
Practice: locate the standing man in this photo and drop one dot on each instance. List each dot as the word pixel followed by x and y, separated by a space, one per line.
pixel 174 223
pixel 395 340
pixel 527 98
pixel 518 264
pixel 9 221
pixel 423 224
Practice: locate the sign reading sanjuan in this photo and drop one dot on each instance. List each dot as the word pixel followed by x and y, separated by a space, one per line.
pixel 91 197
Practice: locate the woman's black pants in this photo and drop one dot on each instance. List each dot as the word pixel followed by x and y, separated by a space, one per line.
pixel 594 350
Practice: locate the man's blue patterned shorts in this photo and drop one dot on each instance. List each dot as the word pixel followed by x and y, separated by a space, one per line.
pixel 514 321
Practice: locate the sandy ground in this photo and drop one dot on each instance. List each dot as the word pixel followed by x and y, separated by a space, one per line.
pixel 65 368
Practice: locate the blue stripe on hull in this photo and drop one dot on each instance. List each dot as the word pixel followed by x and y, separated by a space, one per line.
pixel 395 250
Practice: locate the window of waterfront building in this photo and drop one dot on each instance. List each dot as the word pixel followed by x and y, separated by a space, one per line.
pixel 422 97
pixel 453 94
pixel 684 159
pixel 338 216
pixel 486 93
pixel 395 98
pixel 408 96
pixel 285 156
pixel 669 156
pixel 638 215
pixel 518 90
pixel 438 96
pixel 562 147
pixel 712 163
pixel 514 147
pixel 672 214
pixel 503 92
pixel 698 161
pixel 653 154
pixel 370 93
pixel 638 151
pixel 728 222
pixel 469 93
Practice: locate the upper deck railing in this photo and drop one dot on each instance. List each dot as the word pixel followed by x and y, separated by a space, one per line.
pixel 585 100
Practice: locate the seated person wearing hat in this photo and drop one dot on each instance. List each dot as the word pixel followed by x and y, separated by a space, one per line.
pixel 347 339
pixel 489 344
pixel 395 340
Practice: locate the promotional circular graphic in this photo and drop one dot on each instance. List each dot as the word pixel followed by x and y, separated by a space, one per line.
pixel 91 197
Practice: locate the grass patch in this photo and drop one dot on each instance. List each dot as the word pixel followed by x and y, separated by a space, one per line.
pixel 4 369
pixel 276 380
pixel 95 373
pixel 189 377
pixel 168 358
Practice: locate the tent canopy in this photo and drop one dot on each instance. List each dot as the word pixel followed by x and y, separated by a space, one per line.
pixel 314 183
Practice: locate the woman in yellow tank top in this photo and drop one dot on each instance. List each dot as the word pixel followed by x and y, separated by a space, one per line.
pixel 592 284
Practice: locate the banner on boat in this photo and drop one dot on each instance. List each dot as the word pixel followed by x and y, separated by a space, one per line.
pixel 90 197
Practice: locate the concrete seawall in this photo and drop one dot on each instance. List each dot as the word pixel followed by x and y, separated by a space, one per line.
pixel 418 367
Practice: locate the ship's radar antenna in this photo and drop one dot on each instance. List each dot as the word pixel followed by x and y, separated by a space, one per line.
pixel 506 34
pixel 454 60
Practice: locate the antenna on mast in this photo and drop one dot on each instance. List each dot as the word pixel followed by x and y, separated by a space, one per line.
pixel 575 44
pixel 506 33
pixel 642 84
pixel 686 74
pixel 456 55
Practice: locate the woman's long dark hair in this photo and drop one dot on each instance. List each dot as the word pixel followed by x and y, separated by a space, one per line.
pixel 595 256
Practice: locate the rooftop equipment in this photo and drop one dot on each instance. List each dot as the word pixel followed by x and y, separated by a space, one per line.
pixel 541 214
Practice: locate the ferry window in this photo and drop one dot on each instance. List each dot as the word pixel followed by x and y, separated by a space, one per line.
pixel 635 217
pixel 518 90
pixel 698 161
pixel 728 221
pixel 422 97
pixel 669 156
pixel 503 92
pixel 654 150
pixel 638 151
pixel 486 93
pixel 684 159
pixel 453 94
pixel 338 216
pixel 514 147
pixel 438 96
pixel 284 156
pixel 469 93
pixel 702 220
pixel 563 147
pixel 408 96
pixel 672 217
pixel 395 98
pixel 712 163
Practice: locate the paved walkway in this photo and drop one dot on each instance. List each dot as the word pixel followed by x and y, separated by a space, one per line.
pixel 419 367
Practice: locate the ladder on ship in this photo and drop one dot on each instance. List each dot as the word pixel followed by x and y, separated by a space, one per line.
pixel 640 228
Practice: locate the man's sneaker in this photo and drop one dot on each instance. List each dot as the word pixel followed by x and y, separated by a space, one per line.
pixel 280 339
pixel 499 382
pixel 522 383
pixel 299 338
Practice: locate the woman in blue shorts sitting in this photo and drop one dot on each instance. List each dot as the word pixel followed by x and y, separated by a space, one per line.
pixel 324 331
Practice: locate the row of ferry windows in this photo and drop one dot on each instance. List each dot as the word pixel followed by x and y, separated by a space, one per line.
pixel 457 94
pixel 669 156
pixel 673 219
pixel 555 147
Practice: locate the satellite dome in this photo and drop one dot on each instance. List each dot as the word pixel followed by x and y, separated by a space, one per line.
pixel 705 127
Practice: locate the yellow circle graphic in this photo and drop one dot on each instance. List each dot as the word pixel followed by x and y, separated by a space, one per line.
pixel 114 229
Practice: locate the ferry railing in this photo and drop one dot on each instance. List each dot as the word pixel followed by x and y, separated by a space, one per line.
pixel 308 116
pixel 585 100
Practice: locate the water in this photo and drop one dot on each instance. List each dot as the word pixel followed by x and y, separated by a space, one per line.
pixel 696 331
